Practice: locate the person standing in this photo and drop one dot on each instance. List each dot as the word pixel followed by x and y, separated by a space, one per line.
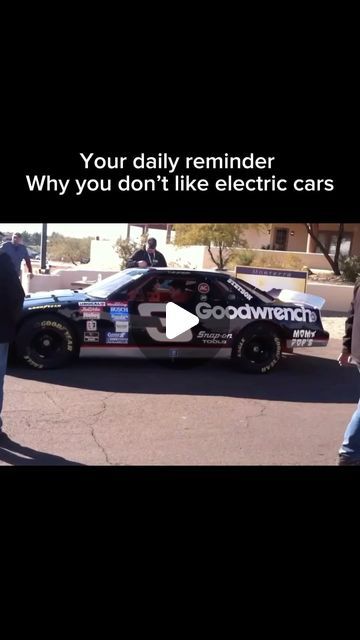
pixel 11 298
pixel 349 453
pixel 17 251
pixel 147 257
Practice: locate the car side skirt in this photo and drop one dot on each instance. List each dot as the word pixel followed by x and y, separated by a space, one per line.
pixel 166 352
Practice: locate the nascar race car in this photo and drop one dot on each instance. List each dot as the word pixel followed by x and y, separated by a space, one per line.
pixel 125 315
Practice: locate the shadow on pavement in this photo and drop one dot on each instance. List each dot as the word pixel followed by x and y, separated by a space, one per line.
pixel 298 378
pixel 13 453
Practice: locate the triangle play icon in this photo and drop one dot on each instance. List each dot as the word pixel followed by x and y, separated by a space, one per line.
pixel 178 321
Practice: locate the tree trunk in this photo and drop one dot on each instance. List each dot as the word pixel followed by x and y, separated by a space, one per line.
pixel 212 256
pixel 338 246
pixel 334 265
pixel 221 261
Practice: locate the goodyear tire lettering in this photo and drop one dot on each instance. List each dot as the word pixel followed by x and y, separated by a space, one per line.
pixel 29 339
pixel 274 345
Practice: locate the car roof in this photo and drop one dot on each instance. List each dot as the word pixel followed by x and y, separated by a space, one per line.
pixel 191 272
pixel 203 272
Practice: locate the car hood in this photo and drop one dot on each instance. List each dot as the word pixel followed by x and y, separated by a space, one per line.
pixel 63 296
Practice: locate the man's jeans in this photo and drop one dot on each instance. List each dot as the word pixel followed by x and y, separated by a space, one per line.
pixel 4 349
pixel 350 448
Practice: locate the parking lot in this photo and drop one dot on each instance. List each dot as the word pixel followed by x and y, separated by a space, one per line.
pixel 117 412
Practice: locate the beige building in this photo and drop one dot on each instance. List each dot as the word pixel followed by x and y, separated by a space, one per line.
pixel 294 237
pixel 256 238
pixel 291 236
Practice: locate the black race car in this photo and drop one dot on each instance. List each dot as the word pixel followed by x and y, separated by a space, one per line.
pixel 126 315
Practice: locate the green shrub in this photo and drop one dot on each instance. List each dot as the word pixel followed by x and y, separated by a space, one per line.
pixel 245 257
pixel 125 249
pixel 350 268
pixel 250 257
pixel 242 257
pixel 286 261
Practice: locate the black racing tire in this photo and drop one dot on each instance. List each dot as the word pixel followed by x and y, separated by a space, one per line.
pixel 46 342
pixel 258 349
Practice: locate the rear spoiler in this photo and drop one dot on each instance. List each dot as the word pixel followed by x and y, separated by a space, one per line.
pixel 286 295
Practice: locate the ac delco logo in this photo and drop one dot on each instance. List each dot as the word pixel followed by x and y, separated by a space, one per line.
pixel 297 314
pixel 203 288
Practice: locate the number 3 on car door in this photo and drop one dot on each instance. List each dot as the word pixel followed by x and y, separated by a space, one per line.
pixel 148 310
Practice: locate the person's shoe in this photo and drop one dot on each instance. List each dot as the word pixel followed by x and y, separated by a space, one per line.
pixel 347 461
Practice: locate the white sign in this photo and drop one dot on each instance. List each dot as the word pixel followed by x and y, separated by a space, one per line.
pixel 273 281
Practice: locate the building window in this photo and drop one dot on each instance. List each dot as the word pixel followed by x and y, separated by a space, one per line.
pixel 329 240
pixel 281 239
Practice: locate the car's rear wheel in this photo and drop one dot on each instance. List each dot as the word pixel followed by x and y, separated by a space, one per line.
pixel 258 349
pixel 46 342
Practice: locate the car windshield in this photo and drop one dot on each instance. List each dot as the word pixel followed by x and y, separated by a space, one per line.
pixel 105 288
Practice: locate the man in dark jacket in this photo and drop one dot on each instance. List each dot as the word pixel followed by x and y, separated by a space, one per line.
pixel 147 257
pixel 17 252
pixel 11 301
pixel 349 453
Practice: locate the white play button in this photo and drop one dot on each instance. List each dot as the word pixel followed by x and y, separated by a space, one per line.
pixel 178 321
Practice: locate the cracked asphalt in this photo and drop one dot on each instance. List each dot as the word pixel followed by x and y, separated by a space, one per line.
pixel 139 413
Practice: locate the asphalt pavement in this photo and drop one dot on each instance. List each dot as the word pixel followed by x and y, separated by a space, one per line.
pixel 140 413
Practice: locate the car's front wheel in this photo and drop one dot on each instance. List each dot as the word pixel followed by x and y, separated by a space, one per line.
pixel 46 342
pixel 258 349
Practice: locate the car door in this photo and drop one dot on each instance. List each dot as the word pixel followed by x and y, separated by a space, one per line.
pixel 213 299
pixel 148 310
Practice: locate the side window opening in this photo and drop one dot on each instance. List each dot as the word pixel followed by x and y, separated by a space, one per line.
pixel 148 292
pixel 163 290
pixel 223 289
